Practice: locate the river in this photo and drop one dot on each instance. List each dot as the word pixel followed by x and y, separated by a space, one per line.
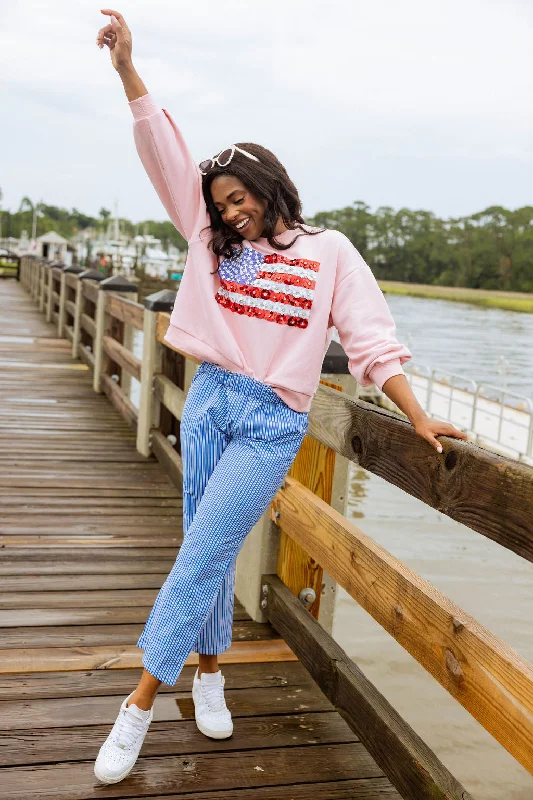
pixel 486 580
pixel 467 339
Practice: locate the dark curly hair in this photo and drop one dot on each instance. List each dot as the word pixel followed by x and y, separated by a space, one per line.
pixel 267 179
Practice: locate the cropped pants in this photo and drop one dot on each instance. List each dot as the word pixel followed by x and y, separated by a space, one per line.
pixel 238 440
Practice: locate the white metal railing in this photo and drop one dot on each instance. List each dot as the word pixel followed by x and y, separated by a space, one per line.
pixel 492 416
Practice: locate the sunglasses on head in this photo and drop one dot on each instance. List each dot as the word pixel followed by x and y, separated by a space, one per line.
pixel 223 159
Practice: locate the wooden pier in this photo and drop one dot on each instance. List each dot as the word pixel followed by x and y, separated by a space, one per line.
pixel 90 527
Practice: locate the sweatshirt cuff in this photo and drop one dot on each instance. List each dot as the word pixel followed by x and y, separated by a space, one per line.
pixel 143 107
pixel 382 372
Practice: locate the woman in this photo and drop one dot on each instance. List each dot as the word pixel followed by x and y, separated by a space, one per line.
pixel 260 318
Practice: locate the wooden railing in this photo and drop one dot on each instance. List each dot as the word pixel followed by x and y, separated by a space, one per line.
pixel 491 494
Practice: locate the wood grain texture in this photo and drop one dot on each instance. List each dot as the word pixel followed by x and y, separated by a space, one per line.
pixel 122 356
pixel 314 467
pixel 163 321
pixel 169 459
pixel 42 745
pixel 172 397
pixel 489 493
pixel 88 324
pixel 94 683
pixel 170 706
pixel 70 307
pixel 212 771
pixel 71 280
pixel 486 676
pixel 127 311
pixel 90 290
pixel 53 659
pixel 406 760
pixel 122 403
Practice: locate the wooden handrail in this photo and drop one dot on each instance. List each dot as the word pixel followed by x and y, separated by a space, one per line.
pixel 122 356
pixel 127 311
pixel 88 324
pixel 407 761
pixel 489 493
pixel 70 307
pixel 486 676
pixel 122 403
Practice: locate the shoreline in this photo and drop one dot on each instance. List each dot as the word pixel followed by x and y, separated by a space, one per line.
pixel 509 301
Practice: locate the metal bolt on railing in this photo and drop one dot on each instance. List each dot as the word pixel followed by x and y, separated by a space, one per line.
pixel 307 596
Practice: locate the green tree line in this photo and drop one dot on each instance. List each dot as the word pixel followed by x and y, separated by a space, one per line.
pixel 492 249
pixel 68 223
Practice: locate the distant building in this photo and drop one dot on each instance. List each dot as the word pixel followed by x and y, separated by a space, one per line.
pixel 52 246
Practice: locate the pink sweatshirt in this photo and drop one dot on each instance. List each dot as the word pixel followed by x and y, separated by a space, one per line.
pixel 266 313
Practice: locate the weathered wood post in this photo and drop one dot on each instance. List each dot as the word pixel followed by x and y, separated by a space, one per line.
pixel 34 273
pixel 149 405
pixel 26 271
pixel 120 286
pixel 80 337
pixel 268 550
pixel 43 272
pixel 128 338
pixel 29 276
pixel 61 303
pixel 38 269
pixel 22 270
pixel 49 300
pixel 66 290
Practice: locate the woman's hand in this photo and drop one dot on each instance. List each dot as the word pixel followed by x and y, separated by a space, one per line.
pixel 117 36
pixel 398 389
pixel 429 428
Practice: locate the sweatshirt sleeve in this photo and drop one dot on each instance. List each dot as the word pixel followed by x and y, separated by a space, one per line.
pixel 170 166
pixel 365 325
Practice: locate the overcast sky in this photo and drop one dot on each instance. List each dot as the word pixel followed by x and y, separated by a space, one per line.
pixel 420 103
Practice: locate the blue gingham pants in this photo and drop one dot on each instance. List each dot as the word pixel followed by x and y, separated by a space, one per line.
pixel 238 439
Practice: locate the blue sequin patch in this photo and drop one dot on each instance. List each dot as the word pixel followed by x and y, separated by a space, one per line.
pixel 243 267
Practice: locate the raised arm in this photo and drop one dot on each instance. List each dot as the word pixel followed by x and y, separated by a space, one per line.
pixel 368 334
pixel 161 147
pixel 117 36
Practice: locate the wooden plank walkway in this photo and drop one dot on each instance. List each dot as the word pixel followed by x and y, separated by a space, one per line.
pixel 89 530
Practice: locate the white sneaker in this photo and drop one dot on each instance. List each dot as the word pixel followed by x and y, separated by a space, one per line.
pixel 120 750
pixel 211 713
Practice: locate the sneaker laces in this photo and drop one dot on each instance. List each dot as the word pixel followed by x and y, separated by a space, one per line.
pixel 128 730
pixel 213 694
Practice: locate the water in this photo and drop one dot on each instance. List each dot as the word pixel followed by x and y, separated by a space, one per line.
pixel 468 339
pixel 486 580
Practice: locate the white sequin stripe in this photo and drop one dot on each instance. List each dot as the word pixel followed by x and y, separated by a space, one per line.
pixel 268 305
pixel 288 269
pixel 286 288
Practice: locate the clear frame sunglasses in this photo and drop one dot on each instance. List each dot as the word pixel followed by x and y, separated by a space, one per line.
pixel 223 158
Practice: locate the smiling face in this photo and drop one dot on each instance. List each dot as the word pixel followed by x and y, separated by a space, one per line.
pixel 239 208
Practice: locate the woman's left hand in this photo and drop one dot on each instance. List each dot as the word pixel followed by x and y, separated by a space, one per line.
pixel 429 428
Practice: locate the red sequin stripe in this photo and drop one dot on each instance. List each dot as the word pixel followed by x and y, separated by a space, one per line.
pixel 266 294
pixel 277 258
pixel 293 280
pixel 262 313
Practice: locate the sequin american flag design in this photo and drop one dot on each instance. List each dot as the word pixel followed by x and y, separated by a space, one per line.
pixel 271 287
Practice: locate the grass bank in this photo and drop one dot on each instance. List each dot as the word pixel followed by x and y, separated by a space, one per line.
pixel 510 301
